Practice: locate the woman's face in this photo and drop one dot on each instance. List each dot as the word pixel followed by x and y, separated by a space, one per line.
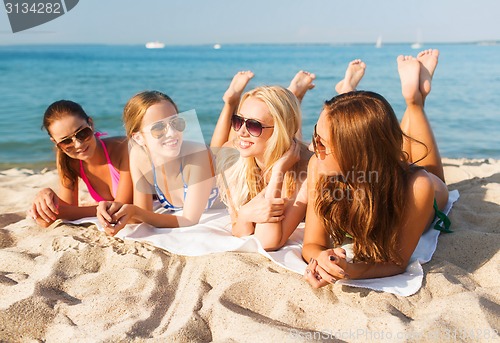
pixel 65 128
pixel 326 162
pixel 158 130
pixel 248 145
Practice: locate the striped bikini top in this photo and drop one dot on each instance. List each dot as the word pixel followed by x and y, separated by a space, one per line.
pixel 163 199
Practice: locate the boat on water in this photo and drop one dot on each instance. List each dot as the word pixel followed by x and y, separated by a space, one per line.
pixel 217 46
pixel 155 45
pixel 378 44
pixel 416 45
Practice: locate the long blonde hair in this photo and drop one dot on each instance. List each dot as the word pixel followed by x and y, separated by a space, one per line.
pixel 368 199
pixel 244 179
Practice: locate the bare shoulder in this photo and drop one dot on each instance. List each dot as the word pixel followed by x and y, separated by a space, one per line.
pixel 420 188
pixel 312 170
pixel 305 156
pixel 117 146
pixel 138 155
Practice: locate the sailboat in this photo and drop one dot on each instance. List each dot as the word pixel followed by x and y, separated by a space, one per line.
pixel 418 43
pixel 378 44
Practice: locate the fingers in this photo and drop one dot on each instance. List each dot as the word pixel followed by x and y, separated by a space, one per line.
pixel 31 212
pixel 327 277
pixel 340 252
pixel 103 214
pixel 113 229
pixel 312 276
pixel 44 211
pixel 332 267
pixel 53 202
pixel 114 207
pixel 119 220
pixel 276 219
pixel 46 205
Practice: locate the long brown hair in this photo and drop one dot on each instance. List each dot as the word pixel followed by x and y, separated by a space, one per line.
pixel 368 199
pixel 53 113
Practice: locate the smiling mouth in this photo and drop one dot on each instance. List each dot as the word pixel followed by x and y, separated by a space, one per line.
pixel 82 151
pixel 171 143
pixel 244 144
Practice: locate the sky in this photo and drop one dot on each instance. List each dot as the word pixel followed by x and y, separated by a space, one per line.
pixel 192 22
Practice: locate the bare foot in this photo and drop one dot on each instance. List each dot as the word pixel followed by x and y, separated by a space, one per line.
pixel 353 75
pixel 428 60
pixel 301 83
pixel 409 73
pixel 237 86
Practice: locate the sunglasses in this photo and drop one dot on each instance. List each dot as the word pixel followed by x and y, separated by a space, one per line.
pixel 81 135
pixel 253 126
pixel 160 128
pixel 319 148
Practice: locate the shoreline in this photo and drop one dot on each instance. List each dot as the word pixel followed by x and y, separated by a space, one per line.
pixel 36 166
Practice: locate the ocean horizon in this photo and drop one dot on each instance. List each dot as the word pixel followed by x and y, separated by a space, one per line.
pixel 463 107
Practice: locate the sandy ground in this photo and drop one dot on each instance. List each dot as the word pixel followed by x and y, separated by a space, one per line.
pixel 73 283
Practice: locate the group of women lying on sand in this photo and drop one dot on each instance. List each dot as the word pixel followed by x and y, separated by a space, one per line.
pixel 364 175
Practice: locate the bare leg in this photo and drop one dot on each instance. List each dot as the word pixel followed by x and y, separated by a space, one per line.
pixel 301 83
pixel 237 86
pixel 415 123
pixel 353 75
pixel 428 62
pixel 231 97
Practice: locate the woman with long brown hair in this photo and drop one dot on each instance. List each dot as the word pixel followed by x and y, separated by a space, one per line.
pixel 372 179
pixel 102 163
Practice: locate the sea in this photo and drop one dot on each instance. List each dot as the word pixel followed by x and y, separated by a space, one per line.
pixel 463 107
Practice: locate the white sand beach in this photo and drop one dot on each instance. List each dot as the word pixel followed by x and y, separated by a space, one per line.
pixel 74 283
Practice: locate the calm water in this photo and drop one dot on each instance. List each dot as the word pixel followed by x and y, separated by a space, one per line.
pixel 464 106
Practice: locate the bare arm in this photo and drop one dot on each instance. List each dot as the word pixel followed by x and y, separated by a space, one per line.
pixel 222 131
pixel 125 189
pixel 281 216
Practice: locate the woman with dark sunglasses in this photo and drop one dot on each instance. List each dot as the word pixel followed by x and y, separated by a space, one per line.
pixel 263 172
pixel 372 179
pixel 163 165
pixel 101 163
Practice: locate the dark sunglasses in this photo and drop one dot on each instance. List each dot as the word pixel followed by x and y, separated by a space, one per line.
pixel 159 128
pixel 81 135
pixel 319 148
pixel 253 126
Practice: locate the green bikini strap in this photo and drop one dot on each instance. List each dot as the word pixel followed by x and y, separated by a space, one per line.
pixel 443 223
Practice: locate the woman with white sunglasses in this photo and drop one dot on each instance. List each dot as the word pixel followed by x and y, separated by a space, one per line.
pixel 163 166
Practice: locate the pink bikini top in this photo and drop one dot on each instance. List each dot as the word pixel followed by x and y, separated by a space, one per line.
pixel 115 174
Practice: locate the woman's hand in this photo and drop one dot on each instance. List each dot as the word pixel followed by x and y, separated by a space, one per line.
pixel 45 206
pixel 289 158
pixel 327 269
pixel 113 215
pixel 263 210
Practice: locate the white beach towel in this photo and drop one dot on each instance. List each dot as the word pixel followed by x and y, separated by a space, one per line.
pixel 213 234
